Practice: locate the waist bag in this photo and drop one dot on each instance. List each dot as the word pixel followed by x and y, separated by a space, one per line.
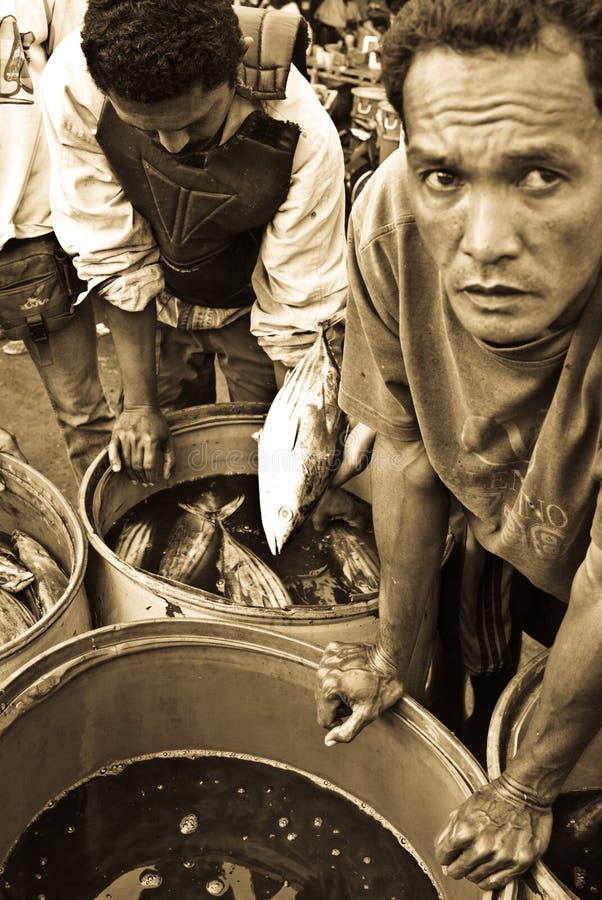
pixel 38 288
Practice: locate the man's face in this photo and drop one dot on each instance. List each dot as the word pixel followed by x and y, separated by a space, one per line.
pixel 505 162
pixel 185 122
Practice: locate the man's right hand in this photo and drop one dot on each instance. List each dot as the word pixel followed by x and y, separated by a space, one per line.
pixel 353 682
pixel 142 444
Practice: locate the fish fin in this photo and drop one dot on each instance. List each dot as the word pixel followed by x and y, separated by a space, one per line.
pixel 288 433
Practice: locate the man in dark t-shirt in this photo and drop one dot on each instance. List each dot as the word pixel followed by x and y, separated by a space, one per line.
pixel 474 356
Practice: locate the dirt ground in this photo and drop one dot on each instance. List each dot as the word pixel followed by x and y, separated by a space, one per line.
pixel 26 411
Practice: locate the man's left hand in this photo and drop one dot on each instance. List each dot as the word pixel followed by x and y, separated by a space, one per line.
pixel 493 837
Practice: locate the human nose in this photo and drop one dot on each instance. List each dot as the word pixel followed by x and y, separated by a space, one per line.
pixel 173 141
pixel 488 232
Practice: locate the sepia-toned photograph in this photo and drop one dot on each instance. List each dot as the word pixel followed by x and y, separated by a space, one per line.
pixel 300 449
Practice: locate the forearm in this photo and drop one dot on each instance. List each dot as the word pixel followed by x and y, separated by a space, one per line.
pixel 134 339
pixel 568 714
pixel 410 511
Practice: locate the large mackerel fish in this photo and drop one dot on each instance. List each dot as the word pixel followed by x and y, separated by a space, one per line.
pixel 193 541
pixel 299 443
pixel 51 582
pixel 245 578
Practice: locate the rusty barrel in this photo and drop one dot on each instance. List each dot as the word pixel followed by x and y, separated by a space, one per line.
pixel 214 440
pixel 162 686
pixel 508 725
pixel 31 503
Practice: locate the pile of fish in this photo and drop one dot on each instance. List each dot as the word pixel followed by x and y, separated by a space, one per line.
pixel 299 443
pixel 195 539
pixel 200 548
pixel 31 583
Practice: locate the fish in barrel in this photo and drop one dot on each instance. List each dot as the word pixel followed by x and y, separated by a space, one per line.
pixel 15 617
pixel 50 580
pixel 195 537
pixel 355 559
pixel 135 541
pixel 246 579
pixel 300 443
pixel 14 577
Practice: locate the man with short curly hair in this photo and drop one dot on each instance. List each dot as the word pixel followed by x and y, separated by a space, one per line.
pixel 473 361
pixel 196 172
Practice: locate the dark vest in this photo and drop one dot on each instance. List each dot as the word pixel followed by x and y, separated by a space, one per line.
pixel 208 211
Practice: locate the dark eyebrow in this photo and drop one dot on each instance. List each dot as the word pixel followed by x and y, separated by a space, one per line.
pixel 546 155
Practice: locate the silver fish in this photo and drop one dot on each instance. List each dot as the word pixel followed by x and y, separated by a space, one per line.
pixel 355 558
pixel 246 579
pixel 15 618
pixel 135 541
pixel 299 443
pixel 51 581
pixel 13 575
pixel 192 541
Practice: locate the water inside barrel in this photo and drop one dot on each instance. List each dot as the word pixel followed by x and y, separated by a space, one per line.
pixel 211 825
pixel 306 566
pixel 575 850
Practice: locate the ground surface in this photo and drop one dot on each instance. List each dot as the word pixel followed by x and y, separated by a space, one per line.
pixel 26 411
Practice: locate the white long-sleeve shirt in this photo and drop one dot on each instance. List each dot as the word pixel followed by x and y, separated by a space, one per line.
pixel 29 30
pixel 300 278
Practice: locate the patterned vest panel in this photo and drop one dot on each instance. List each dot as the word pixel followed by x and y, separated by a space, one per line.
pixel 207 212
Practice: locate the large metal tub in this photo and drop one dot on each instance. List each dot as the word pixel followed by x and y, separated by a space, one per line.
pixel 34 505
pixel 508 725
pixel 213 440
pixel 144 688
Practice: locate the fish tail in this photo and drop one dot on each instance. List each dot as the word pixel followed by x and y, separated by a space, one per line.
pixel 214 515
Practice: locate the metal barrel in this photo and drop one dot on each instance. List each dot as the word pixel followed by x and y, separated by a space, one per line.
pixel 510 719
pixel 147 688
pixel 32 504
pixel 211 440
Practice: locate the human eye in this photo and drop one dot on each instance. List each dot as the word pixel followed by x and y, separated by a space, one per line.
pixel 537 180
pixel 440 179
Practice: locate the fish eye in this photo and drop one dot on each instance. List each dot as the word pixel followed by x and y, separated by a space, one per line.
pixel 286 513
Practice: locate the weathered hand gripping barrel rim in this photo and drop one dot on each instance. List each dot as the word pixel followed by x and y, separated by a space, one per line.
pixel 508 724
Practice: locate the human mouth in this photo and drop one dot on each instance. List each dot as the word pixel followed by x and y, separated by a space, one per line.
pixel 492 296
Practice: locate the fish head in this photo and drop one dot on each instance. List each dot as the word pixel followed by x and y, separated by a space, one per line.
pixel 278 525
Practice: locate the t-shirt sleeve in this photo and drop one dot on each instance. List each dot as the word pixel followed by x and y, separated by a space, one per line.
pixel 374 388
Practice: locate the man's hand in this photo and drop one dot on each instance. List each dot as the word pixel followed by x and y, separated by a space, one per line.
pixel 8 444
pixel 354 681
pixel 142 443
pixel 494 836
pixel 356 454
pixel 338 504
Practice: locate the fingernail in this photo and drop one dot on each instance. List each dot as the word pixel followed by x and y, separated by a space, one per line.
pixel 329 743
pixel 444 869
pixel 115 467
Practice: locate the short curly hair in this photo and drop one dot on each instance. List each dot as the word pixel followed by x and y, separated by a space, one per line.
pixel 469 26
pixel 146 51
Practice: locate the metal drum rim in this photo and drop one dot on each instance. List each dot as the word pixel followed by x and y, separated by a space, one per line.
pixel 515 702
pixel 16 469
pixel 186 420
pixel 53 668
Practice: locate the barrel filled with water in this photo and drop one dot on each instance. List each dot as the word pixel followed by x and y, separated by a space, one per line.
pixel 572 865
pixel 182 759
pixel 216 454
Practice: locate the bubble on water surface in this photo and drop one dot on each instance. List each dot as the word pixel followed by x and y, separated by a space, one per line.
pixel 189 824
pixel 283 822
pixel 217 887
pixel 150 879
